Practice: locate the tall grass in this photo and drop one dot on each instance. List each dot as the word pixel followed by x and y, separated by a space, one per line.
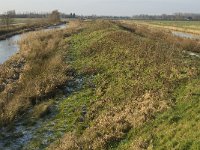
pixel 134 74
pixel 130 75
pixel 41 70
pixel 160 34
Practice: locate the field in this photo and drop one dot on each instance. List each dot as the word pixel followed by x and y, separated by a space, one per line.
pixel 194 25
pixel 26 20
pixel 18 21
pixel 184 26
pixel 102 85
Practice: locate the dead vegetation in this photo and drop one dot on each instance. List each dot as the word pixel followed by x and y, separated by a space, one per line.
pixel 35 74
pixel 135 72
pixel 160 34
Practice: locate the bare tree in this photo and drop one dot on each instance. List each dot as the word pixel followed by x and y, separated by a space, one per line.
pixel 8 18
pixel 54 16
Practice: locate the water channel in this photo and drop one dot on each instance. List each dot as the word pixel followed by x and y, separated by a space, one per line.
pixel 10 46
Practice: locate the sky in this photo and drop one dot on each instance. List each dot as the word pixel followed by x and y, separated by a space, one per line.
pixel 103 7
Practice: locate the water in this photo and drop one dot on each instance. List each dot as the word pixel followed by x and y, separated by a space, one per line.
pixel 186 35
pixel 193 54
pixel 21 134
pixel 10 46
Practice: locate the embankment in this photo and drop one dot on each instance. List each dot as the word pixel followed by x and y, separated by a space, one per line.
pixel 129 75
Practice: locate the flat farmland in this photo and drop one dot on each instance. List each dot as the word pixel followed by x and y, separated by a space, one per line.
pixel 182 26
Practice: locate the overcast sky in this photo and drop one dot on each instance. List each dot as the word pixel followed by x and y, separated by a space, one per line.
pixel 104 7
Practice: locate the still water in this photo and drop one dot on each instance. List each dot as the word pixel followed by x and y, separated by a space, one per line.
pixel 10 46
pixel 186 35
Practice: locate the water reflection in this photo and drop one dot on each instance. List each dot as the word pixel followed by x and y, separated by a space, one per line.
pixel 8 47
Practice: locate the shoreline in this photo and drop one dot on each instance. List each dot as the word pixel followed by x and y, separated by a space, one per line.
pixel 29 29
pixel 46 27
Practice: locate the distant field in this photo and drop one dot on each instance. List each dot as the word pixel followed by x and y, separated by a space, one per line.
pixel 194 25
pixel 183 26
pixel 25 20
pixel 20 21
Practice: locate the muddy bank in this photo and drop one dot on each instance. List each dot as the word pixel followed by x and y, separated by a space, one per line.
pixel 25 129
pixel 25 29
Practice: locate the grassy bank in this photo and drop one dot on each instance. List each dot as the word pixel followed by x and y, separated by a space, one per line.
pixel 32 25
pixel 155 33
pixel 34 74
pixel 133 74
pixel 176 128
pixel 126 81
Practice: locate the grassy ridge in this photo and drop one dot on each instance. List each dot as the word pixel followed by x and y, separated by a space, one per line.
pixel 157 34
pixel 131 78
pixel 126 80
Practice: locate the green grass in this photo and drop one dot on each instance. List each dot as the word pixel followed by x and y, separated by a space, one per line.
pixel 129 73
pixel 177 128
pixel 136 85
pixel 68 114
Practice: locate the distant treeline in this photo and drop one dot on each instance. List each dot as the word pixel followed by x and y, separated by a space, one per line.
pixel 43 15
pixel 175 16
pixel 36 14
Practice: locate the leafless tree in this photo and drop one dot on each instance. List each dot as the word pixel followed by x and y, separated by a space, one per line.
pixel 8 18
pixel 54 16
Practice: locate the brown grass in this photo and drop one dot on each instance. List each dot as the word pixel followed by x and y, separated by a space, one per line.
pixel 41 70
pixel 159 34
pixel 134 72
pixel 137 71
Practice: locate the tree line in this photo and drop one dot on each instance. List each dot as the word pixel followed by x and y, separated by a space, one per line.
pixel 8 18
pixel 175 16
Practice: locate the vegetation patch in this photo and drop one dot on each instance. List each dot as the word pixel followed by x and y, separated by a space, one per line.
pixel 124 86
pixel 33 75
pixel 132 76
